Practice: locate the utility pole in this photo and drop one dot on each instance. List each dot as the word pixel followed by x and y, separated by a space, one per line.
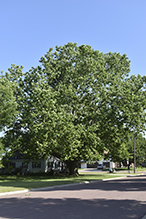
pixel 134 155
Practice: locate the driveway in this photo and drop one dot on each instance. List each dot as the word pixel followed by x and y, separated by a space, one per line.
pixel 113 199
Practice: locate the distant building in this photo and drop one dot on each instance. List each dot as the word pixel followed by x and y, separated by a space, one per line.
pixel 105 163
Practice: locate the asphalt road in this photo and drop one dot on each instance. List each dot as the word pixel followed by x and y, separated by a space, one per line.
pixel 118 199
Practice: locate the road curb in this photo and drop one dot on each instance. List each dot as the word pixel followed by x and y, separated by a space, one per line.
pixel 14 192
pixel 66 185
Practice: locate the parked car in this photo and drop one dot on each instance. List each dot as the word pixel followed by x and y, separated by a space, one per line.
pixel 99 166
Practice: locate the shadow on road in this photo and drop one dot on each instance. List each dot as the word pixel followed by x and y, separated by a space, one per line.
pixel 44 208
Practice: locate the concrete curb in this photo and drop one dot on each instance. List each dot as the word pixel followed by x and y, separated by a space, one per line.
pixel 64 185
pixel 14 192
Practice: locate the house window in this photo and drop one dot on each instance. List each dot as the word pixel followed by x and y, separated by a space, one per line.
pixel 50 164
pixel 13 165
pixel 24 165
pixel 56 165
pixel 36 165
pixel 59 165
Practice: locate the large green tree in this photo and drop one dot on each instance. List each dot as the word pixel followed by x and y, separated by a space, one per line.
pixel 77 104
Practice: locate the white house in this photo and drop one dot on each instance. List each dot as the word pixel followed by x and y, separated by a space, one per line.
pixel 17 163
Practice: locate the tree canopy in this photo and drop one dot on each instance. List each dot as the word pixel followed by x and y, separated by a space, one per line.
pixel 77 104
pixel 8 104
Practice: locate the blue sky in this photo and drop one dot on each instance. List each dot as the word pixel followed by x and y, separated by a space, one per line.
pixel 30 27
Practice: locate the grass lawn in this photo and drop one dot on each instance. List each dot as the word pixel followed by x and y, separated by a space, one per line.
pixel 139 169
pixel 15 183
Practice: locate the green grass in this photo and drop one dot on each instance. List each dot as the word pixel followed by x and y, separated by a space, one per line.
pixel 132 168
pixel 140 169
pixel 15 183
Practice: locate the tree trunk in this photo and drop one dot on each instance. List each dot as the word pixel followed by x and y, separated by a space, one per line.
pixel 73 167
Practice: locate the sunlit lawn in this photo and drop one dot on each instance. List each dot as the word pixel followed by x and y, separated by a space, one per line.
pixel 13 183
pixel 139 169
pixel 132 168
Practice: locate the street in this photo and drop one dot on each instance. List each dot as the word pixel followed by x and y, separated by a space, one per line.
pixel 113 199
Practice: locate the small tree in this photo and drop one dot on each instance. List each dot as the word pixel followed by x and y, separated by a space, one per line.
pixel 140 149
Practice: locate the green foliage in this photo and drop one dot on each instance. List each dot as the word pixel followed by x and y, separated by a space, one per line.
pixel 1 148
pixel 7 102
pixel 8 106
pixel 76 104
pixel 1 153
pixel 140 143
